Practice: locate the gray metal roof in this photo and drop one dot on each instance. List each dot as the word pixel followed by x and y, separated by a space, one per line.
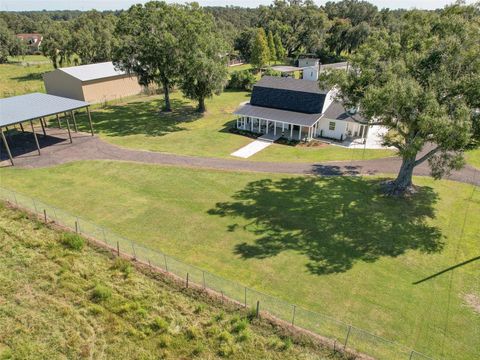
pixel 286 68
pixel 284 83
pixel 16 109
pixel 93 71
pixel 336 111
pixel 290 117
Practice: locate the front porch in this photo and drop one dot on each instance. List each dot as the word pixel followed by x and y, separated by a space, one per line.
pixel 287 130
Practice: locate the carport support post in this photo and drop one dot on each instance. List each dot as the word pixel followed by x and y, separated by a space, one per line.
pixel 21 127
pixel 43 127
pixel 58 121
pixel 68 128
pixel 90 120
pixel 6 146
pixel 74 121
pixel 35 136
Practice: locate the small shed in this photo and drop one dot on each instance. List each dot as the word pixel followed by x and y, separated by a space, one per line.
pixel 92 83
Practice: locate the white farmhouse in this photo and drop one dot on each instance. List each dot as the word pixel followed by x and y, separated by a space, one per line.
pixel 299 110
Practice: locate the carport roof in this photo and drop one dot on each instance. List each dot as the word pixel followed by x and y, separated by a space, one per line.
pixel 17 109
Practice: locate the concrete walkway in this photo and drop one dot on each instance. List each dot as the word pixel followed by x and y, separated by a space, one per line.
pixel 256 146
pixel 86 147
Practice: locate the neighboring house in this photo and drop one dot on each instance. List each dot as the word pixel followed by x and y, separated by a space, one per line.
pixel 92 83
pixel 298 110
pixel 32 41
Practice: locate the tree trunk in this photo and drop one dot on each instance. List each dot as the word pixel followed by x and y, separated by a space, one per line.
pixel 166 94
pixel 201 105
pixel 403 183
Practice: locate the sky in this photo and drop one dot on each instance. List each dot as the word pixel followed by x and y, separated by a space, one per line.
pixel 24 5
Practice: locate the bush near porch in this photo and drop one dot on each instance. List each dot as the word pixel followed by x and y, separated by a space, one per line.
pixel 333 245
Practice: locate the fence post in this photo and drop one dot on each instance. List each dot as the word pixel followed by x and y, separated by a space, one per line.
pixel 204 284
pixel 245 296
pixel 411 355
pixel 134 253
pixel 45 215
pixel 104 236
pixel 258 308
pixel 165 259
pixel 118 248
pixel 76 227
pixel 187 280
pixel 348 335
pixel 293 314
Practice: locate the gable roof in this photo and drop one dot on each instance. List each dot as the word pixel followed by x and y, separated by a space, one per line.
pixel 93 71
pixel 296 95
pixel 336 111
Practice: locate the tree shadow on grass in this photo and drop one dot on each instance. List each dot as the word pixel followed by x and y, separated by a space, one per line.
pixel 334 221
pixel 141 118
pixel 29 77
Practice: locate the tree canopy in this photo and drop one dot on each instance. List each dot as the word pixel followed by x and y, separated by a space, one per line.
pixel 423 83
pixel 260 54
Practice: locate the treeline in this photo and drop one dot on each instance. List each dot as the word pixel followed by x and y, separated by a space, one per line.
pixel 329 32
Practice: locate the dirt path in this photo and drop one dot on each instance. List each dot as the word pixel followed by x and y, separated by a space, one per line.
pixel 85 147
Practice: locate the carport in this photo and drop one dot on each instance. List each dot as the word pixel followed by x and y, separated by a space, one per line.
pixel 18 110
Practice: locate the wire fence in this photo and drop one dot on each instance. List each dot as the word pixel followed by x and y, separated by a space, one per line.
pixel 342 334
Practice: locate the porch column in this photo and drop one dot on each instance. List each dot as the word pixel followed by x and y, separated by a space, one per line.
pixel 274 128
pixel 291 131
pixel 300 133
pixel 283 127
pixel 266 126
pixel 251 124
pixel 7 147
pixel 35 136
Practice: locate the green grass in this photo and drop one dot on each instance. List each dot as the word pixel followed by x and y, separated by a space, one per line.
pixel 61 303
pixel 18 79
pixel 29 59
pixel 473 158
pixel 138 124
pixel 331 245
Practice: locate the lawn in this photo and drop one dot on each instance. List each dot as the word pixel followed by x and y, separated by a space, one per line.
pixel 59 301
pixel 17 78
pixel 331 245
pixel 138 124
pixel 473 158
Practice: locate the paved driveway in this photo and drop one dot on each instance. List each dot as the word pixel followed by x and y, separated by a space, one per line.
pixel 86 147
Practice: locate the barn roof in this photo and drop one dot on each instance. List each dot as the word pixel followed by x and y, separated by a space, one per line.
pixel 93 71
pixel 289 94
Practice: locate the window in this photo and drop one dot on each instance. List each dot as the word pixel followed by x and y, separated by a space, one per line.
pixel 331 125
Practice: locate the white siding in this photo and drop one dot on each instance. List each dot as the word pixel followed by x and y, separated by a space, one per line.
pixel 310 73
pixel 329 99
pixel 324 129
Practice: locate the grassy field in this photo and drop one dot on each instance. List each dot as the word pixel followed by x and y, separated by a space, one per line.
pixel 17 78
pixel 138 124
pixel 473 158
pixel 332 245
pixel 61 300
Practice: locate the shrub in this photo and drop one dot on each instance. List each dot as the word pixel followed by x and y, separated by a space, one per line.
pixel 73 241
pixel 101 293
pixel 243 336
pixel 224 337
pixel 271 72
pixel 241 80
pixel 240 326
pixel 123 266
pixel 159 325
